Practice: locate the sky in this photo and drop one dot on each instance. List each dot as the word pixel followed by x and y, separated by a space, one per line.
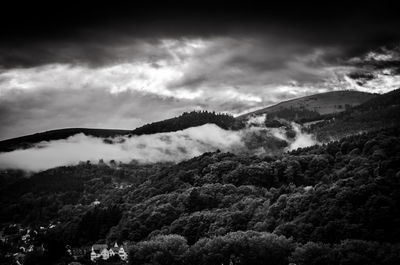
pixel 121 66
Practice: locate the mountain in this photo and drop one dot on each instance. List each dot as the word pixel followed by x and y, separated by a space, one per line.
pixel 381 111
pixel 333 115
pixel 320 107
pixel 190 119
pixel 334 203
pixel 337 203
pixel 184 121
pixel 387 100
pixel 311 107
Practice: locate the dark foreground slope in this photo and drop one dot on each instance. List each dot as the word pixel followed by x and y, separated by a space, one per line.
pixel 333 204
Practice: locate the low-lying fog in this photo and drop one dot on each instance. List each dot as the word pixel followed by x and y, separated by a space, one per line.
pixel 160 147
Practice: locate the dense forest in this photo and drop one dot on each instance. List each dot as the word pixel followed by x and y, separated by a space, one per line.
pixel 294 114
pixel 190 119
pixel 379 112
pixel 334 203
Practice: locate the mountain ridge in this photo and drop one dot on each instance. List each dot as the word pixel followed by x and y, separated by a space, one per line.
pixel 339 201
pixel 320 104
pixel 190 119
pixel 184 121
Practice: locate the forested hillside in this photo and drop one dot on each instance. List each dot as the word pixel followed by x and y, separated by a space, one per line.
pixel 379 112
pixel 184 121
pixel 190 119
pixel 311 107
pixel 332 204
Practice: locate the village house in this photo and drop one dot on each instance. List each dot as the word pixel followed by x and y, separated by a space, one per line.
pixel 99 251
pixel 96 202
pixel 102 251
pixel 122 252
pixel 114 250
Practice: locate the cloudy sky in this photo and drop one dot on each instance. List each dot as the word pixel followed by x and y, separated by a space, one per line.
pixel 121 66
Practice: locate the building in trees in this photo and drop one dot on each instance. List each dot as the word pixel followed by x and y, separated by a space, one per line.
pixel 99 251
pixel 102 251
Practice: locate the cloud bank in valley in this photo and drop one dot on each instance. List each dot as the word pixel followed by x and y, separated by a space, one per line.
pixel 300 140
pixel 160 147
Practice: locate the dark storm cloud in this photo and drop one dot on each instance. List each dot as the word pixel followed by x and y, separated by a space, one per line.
pixel 93 51
pixel 379 68
pixel 100 46
pixel 89 32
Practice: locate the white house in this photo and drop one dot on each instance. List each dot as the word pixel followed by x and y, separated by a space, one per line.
pixel 102 251
pixel 114 250
pixel 99 251
pixel 105 254
pixel 122 253
pixel 96 202
pixel 94 255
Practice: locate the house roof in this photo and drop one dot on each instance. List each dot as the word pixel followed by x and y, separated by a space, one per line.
pixel 123 247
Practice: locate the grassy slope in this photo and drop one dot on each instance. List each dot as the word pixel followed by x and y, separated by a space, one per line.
pixel 379 112
pixel 324 103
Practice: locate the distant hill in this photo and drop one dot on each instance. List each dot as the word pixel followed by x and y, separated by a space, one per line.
pixel 341 113
pixel 311 107
pixel 381 111
pixel 184 121
pixel 28 140
pixel 390 99
pixel 189 119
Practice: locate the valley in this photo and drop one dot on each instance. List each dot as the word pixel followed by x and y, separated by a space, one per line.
pixel 338 199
